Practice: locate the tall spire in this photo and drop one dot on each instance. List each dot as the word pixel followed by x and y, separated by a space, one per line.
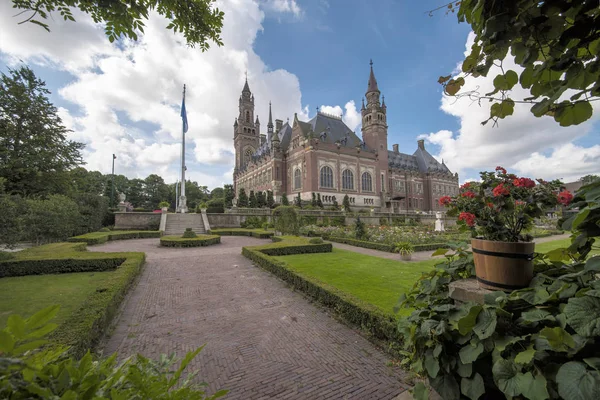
pixel 372 81
pixel 270 123
pixel 246 87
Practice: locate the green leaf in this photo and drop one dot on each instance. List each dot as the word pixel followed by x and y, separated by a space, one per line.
pixel 446 386
pixel 558 338
pixel 536 315
pixel 473 388
pixel 467 323
pixel 439 252
pixel 593 264
pixel 534 388
pixel 43 331
pixel 593 362
pixel 526 356
pixel 454 85
pixel 486 323
pixel 503 342
pixel 580 217
pixel 575 382
pixel 527 77
pixel 507 377
pixel 464 370
pixel 560 254
pixel 506 81
pixel 184 363
pixel 16 325
pixel 503 109
pixel 41 317
pixel 420 392
pixel 432 365
pixel 470 352
pixel 583 315
pixel 575 114
pixel 7 343
pixel 29 346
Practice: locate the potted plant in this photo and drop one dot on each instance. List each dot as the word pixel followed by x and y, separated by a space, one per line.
pixel 497 210
pixel 164 206
pixel 405 249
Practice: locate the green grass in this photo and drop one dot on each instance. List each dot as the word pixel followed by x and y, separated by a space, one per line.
pixel 555 244
pixel 375 280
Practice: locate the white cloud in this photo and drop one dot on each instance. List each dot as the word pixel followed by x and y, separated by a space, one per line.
pixel 351 117
pixel 143 81
pixel 517 142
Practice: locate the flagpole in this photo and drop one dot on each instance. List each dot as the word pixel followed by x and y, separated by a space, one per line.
pixel 182 203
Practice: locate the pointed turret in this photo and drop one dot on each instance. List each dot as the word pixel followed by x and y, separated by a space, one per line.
pixel 363 104
pixel 257 121
pixel 235 124
pixel 383 102
pixel 246 88
pixel 270 123
pixel 372 81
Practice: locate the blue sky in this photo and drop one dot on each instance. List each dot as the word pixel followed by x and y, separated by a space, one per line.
pixel 299 54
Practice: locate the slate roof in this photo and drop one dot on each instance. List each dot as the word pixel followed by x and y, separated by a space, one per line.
pixel 420 161
pixel 428 163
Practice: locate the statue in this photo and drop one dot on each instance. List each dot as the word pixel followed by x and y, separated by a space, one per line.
pixel 439 222
pixel 121 198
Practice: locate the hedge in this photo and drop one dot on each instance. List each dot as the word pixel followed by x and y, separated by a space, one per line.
pixel 386 247
pixel 257 233
pixel 43 266
pixel 178 241
pixel 371 319
pixel 103 237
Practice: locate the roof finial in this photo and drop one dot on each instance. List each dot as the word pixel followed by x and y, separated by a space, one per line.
pixel 317 109
pixel 270 123
pixel 246 88
pixel 372 87
pixel 371 63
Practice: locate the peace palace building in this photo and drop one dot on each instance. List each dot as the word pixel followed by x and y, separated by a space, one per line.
pixel 324 156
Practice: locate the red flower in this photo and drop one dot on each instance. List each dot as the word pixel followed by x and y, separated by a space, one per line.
pixel 565 197
pixel 500 190
pixel 490 205
pixel 467 217
pixel 501 170
pixel 466 185
pixel 444 200
pixel 519 203
pixel 524 182
pixel 468 194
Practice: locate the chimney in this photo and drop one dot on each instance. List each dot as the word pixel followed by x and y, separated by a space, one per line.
pixel 421 143
pixel 395 147
pixel 278 124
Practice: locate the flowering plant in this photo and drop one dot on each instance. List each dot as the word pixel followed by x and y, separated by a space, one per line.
pixel 503 205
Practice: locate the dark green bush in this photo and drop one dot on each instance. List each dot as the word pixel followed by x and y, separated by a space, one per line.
pixel 215 206
pixel 383 221
pixel 198 241
pixel 251 222
pixel 386 247
pixel 257 233
pixel 102 237
pixel 92 209
pixel 338 221
pixel 18 267
pixel 52 220
pixel 189 234
pixel 308 220
pixel 286 220
pixel 5 256
pixel 285 249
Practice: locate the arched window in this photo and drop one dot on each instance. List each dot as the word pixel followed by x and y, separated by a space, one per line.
pixel 347 180
pixel 326 177
pixel 247 116
pixel 247 155
pixel 297 178
pixel 367 182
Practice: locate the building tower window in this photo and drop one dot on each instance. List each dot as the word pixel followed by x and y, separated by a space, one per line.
pixel 347 180
pixel 297 179
pixel 247 156
pixel 247 116
pixel 367 182
pixel 326 177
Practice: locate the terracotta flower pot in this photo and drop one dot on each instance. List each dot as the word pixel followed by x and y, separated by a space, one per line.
pixel 503 266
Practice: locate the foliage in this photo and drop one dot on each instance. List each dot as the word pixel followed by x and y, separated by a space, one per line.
pixel 164 204
pixel 27 370
pixel 242 200
pixel 228 195
pixel 537 343
pixel 10 219
pixel 298 201
pixel 284 200
pixel 335 206
pixel 313 201
pixel 189 234
pixel 286 220
pixel 50 220
pixel 195 241
pixel 270 202
pixel 586 180
pixel 260 199
pixel 34 151
pixel 556 43
pixel 257 233
pixel 252 222
pixel 338 221
pixel 346 203
pixel 58 265
pixel 404 248
pixel 359 229
pixel 92 209
pixel 105 229
pixel 315 240
pixel 199 21
pixel 104 236
pixel 252 200
pixel 502 205
pixel 5 256
pixel 319 202
pixel 216 206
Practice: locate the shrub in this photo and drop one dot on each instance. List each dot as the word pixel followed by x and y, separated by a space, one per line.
pixel 189 234
pixel 383 221
pixel 31 371
pixel 257 233
pixel 105 229
pixel 197 241
pixel 315 240
pixel 242 200
pixel 164 204
pixel 404 248
pixel 59 265
pixel 284 200
pixel 346 203
pixel 308 220
pixel 359 229
pixel 92 210
pixel 251 222
pixel 298 201
pixel 338 221
pixel 10 219
pixel 286 220
pixel 102 237
pixel 215 206
pixel 5 256
pixel 267 225
pixel 109 218
pixel 51 220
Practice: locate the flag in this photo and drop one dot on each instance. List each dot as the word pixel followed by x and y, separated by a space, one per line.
pixel 184 116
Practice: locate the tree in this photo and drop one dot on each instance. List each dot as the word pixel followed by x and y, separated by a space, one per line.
pixel 260 199
pixel 198 20
pixel 585 180
pixel 359 229
pixel 50 220
pixel 252 201
pixel 284 200
pixel 286 220
pixel 319 202
pixel 298 201
pixel 335 204
pixel 346 203
pixel 156 190
pixel 242 200
pixel 35 154
pixel 270 200
pixel 557 44
pixel 228 195
pixel 313 201
pixel 84 181
pixel 136 193
pixel 217 193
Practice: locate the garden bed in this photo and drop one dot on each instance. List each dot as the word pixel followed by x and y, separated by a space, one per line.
pixel 103 237
pixel 257 233
pixel 89 300
pixel 199 241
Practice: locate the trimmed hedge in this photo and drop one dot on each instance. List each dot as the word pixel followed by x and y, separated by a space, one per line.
pixel 386 247
pixel 103 237
pixel 371 319
pixel 200 240
pixel 257 233
pixel 45 266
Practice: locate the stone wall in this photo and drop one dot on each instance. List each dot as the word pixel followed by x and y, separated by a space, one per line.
pixel 137 220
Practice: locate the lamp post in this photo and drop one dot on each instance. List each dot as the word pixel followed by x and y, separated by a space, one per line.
pixel 112 183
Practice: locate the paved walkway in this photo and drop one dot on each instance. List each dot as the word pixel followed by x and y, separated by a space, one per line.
pixel 420 255
pixel 263 340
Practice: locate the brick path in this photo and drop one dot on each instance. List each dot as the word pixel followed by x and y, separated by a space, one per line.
pixel 263 340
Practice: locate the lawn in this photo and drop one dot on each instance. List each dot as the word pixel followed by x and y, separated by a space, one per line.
pixel 555 244
pixel 375 280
